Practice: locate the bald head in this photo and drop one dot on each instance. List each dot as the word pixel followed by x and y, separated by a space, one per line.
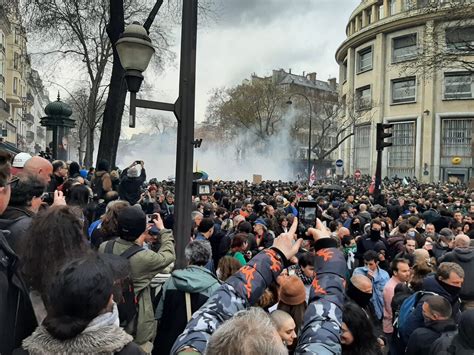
pixel 462 241
pixel 362 207
pixel 279 318
pixel 362 282
pixel 39 166
pixel 342 232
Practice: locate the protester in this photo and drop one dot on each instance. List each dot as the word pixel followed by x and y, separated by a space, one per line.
pixel 183 294
pixel 131 182
pixel 25 202
pixel 100 180
pixel 145 264
pixel 59 175
pixel 108 226
pixel 40 167
pixel 285 326
pixel 227 267
pixel 16 313
pixel 82 315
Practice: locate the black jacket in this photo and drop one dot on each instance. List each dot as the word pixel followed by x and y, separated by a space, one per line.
pixel 129 189
pixel 16 220
pixel 17 320
pixel 423 338
pixel 465 258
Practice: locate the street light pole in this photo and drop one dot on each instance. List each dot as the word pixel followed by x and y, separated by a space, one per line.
pixel 134 38
pixel 310 148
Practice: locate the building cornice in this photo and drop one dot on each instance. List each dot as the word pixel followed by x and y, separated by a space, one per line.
pixel 397 22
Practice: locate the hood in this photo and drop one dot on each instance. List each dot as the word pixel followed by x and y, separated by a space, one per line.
pixel 395 239
pixel 193 279
pixel 431 284
pixel 6 223
pixel 464 254
pixel 13 213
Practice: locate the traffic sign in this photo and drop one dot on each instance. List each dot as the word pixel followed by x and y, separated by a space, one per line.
pixel 339 163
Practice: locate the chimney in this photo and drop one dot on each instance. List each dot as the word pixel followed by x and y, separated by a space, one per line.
pixel 312 77
pixel 332 83
pixel 303 73
pixel 289 71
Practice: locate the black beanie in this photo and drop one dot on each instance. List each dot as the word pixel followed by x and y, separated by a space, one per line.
pixel 131 223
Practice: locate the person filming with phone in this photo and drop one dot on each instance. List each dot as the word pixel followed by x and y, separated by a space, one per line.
pixel 132 179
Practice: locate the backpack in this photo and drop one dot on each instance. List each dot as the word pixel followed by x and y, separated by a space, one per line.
pixel 128 303
pixel 406 309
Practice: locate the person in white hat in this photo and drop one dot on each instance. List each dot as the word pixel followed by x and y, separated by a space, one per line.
pixel 19 162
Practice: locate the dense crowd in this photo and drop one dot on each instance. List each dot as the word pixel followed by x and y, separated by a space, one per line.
pixel 88 265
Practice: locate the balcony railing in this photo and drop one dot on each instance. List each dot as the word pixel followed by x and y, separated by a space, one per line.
pixel 29 118
pixel 30 97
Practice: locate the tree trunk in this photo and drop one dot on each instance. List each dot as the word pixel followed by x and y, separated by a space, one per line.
pixel 88 160
pixel 112 120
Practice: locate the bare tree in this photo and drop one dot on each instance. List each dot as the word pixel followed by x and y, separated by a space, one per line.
pixel 448 40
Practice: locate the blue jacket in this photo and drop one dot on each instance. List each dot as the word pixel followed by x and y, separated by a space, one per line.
pixel 381 277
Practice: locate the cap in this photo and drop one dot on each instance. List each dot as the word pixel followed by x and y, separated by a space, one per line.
pixel 20 160
pixel 262 222
pixel 292 291
pixel 131 222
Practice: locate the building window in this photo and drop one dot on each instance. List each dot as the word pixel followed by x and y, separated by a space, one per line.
pixel 404 48
pixel 458 85
pixel 343 105
pixel 369 16
pixel 401 155
pixel 363 98
pixel 16 60
pixel 460 39
pixel 393 7
pixel 456 137
pixel 362 149
pixel 381 14
pixel 15 85
pixel 404 90
pixel 407 5
pixel 365 59
pixel 344 71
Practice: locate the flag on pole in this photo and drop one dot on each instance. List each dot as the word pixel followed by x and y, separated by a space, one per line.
pixel 312 177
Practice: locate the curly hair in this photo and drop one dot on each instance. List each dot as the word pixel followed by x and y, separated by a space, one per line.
pixel 53 238
pixel 228 266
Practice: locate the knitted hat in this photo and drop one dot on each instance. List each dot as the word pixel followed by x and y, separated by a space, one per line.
pixel 292 291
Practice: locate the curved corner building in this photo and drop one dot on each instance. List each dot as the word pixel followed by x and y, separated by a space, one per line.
pixel 407 63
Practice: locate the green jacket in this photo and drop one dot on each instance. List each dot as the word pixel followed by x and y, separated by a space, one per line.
pixel 144 266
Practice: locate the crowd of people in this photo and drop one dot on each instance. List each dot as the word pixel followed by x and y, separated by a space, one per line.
pixel 88 265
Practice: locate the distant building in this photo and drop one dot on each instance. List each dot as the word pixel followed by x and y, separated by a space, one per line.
pixel 432 108
pixel 22 96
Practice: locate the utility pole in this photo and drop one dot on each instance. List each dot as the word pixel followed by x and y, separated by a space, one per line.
pixel 380 145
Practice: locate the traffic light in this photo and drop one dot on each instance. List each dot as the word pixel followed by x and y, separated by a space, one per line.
pixel 381 135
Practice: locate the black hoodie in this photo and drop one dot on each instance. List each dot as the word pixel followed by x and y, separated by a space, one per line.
pixel 464 257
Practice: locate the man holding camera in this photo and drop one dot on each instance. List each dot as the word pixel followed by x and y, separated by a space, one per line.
pixel 131 182
pixel 144 265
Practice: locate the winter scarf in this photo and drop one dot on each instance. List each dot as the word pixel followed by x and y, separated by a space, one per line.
pixel 298 272
pixel 102 336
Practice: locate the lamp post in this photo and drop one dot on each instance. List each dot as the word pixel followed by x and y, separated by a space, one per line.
pixel 289 102
pixel 135 51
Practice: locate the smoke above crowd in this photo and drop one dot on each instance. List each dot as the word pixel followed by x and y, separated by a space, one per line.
pixel 238 159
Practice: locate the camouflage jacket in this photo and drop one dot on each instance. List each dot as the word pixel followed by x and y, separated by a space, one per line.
pixel 320 333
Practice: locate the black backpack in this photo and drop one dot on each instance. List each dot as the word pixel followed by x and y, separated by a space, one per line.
pixel 128 303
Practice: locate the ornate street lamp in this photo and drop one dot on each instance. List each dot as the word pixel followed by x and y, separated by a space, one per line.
pixel 58 120
pixel 135 51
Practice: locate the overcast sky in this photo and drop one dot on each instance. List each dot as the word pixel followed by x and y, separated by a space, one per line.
pixel 256 36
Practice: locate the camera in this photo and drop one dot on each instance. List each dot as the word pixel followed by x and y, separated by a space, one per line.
pixel 48 197
pixel 307 213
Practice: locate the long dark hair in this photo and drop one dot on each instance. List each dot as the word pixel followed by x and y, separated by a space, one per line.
pixel 80 291
pixel 79 195
pixel 359 324
pixel 54 237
